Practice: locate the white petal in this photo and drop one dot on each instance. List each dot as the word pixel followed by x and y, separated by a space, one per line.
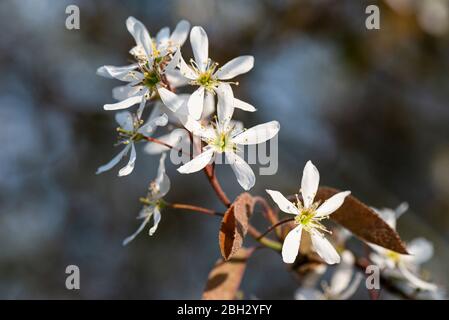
pixel 130 165
pixel 197 163
pixel 415 281
pixel 258 134
pixel 352 288
pixel 179 35
pixel 124 92
pixel 170 99
pixel 124 73
pixel 147 44
pixel 194 126
pixel 308 294
pixel 156 220
pixel 309 183
pixel 174 62
pixel 149 127
pixel 134 26
pixel 225 105
pixel 332 204
pixel 242 170
pixel 200 47
pixel 186 70
pixel 196 103
pixel 208 105
pixel 239 104
pixel 235 67
pixel 162 180
pixel 283 203
pixel 324 248
pixel 163 35
pixel 175 78
pixel 124 104
pixel 174 138
pixel 125 120
pixel 143 103
pixel 343 274
pixel 290 248
pixel 421 250
pixel 148 215
pixel 114 161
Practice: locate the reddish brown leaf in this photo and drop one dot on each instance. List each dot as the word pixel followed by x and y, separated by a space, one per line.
pixel 225 278
pixel 235 225
pixel 362 221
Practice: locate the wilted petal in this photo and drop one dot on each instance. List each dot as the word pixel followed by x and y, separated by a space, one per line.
pixel 114 161
pixel 258 134
pixel 179 35
pixel 239 104
pixel 197 163
pixel 200 47
pixel 170 99
pixel 242 170
pixel 332 204
pixel 283 203
pixel 124 104
pixel 235 67
pixel 309 183
pixel 291 245
pixel 130 165
pixel 324 248
pixel 195 103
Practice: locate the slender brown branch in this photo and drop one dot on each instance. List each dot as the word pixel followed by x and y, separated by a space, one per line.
pixel 183 206
pixel 274 226
pixel 151 139
pixel 210 173
pixel 253 232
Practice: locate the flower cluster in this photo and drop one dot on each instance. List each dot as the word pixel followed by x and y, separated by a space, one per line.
pixel 205 120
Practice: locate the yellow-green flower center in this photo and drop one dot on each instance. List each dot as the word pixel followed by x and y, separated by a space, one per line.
pixel 151 79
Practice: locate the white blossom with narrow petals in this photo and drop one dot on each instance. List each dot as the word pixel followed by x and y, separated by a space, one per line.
pixel 132 129
pixel 153 203
pixel 225 137
pixel 308 216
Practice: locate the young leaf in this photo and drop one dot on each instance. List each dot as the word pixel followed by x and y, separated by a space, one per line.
pixel 363 222
pixel 235 225
pixel 225 278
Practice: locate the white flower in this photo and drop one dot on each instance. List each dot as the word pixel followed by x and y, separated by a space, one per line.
pixel 224 138
pixel 153 203
pixel 132 129
pixel 401 265
pixel 203 72
pixel 309 216
pixel 343 284
pixel 150 76
pixel 164 43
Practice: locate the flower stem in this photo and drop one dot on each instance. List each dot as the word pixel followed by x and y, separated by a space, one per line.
pixel 253 232
pixel 210 173
pixel 183 206
pixel 274 226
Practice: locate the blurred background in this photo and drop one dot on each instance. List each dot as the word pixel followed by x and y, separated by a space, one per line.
pixel 369 108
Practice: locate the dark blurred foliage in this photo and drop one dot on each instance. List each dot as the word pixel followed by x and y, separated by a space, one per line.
pixel 368 107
